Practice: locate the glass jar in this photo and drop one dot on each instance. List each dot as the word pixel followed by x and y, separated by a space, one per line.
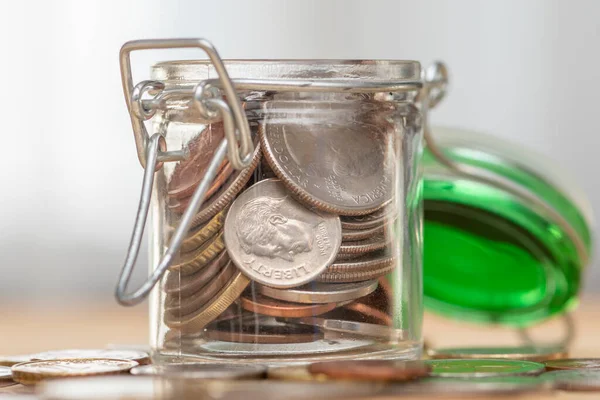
pixel 304 243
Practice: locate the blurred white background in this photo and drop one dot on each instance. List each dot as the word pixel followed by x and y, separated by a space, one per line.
pixel 523 70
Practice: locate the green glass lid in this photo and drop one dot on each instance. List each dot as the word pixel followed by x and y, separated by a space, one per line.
pixel 506 236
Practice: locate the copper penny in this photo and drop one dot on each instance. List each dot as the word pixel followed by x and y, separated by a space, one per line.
pixel 189 263
pixel 576 380
pixel 261 333
pixel 188 174
pixel 202 234
pixel 371 313
pixel 223 197
pixel 371 244
pixel 352 235
pixel 573 363
pixel 277 308
pixel 187 285
pixel 528 353
pixel 371 370
pixel 181 306
pixel 381 298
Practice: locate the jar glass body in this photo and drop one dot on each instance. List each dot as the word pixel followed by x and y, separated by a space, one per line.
pixel 314 250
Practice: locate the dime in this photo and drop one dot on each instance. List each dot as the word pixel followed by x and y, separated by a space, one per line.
pixel 474 368
pixel 358 275
pixel 34 371
pixel 203 233
pixel 105 388
pixel 371 370
pixel 336 167
pixel 189 263
pixel 277 308
pixel 369 245
pixel 261 332
pixel 362 264
pixel 367 221
pixel 5 374
pixel 203 371
pixel 198 320
pixel 188 174
pixel 574 380
pixel 351 327
pixel 275 240
pixel 8 361
pixel 223 197
pixel 573 363
pixel 351 235
pixel 178 306
pixel 513 353
pixel 141 357
pixel 320 292
pixel 187 285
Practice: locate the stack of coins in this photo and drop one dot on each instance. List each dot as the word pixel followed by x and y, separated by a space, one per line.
pixel 302 239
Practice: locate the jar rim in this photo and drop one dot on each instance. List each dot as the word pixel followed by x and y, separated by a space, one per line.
pixel 297 69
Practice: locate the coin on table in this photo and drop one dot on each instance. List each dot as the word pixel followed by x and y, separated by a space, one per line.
pixel 190 284
pixel 8 361
pixel 105 388
pixel 181 306
pixel 529 353
pixel 34 371
pixel 223 197
pixel 203 371
pixel 199 236
pixel 277 308
pixel 188 173
pixel 573 363
pixel 5 374
pixel 196 321
pixel 575 380
pixel 189 263
pixel 293 373
pixel 141 357
pixel 473 368
pixel 371 370
pixel 338 168
pixel 275 240
pixel 320 292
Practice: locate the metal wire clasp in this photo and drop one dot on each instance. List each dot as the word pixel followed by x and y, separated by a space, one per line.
pixel 237 146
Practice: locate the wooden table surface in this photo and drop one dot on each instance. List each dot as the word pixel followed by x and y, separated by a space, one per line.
pixel 27 328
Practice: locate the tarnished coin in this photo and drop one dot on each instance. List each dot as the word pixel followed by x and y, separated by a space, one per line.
pixel 141 357
pixel 367 221
pixel 262 332
pixel 587 380
pixel 277 308
pixel 224 195
pixel 189 263
pixel 369 245
pixel 8 361
pixel 460 368
pixel 196 321
pixel 513 353
pixel 320 292
pixel 5 374
pixel 203 371
pixel 181 306
pixel 573 363
pixel 337 167
pixel 275 240
pixel 190 284
pixel 123 387
pixel 371 370
pixel 34 371
pixel 351 327
pixel 202 234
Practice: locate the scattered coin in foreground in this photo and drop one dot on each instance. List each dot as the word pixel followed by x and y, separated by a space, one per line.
pixel 5 374
pixel 9 361
pixel 371 370
pixel 573 363
pixel 34 371
pixel 104 388
pixel 455 368
pixel 203 371
pixel 513 353
pixel 141 357
pixel 587 380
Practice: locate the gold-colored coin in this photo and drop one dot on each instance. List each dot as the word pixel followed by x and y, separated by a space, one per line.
pixel 141 357
pixel 32 372
pixel 527 353
pixel 202 234
pixel 215 307
pixel 189 263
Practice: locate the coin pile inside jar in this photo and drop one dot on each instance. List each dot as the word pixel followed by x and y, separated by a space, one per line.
pixel 293 248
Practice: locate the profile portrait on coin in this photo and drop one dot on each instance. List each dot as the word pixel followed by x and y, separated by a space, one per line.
pixel 269 227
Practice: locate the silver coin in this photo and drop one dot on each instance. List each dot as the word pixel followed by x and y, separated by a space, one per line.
pixel 140 356
pixel 351 327
pixel 321 292
pixel 5 374
pixel 367 221
pixel 353 235
pixel 203 371
pixel 483 368
pixel 103 388
pixel 275 240
pixel 574 379
pixel 338 167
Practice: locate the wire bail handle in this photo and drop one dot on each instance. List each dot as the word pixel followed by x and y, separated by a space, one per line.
pixel 209 101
